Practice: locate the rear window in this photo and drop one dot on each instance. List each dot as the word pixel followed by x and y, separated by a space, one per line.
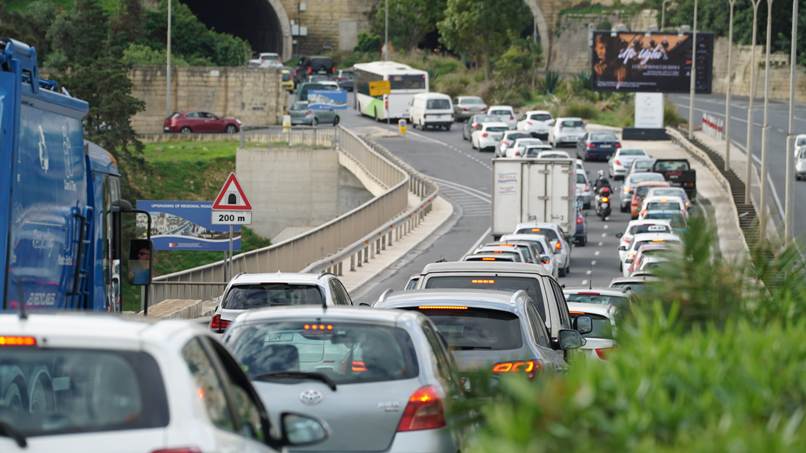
pixel 641 177
pixel 602 327
pixel 662 205
pixel 477 328
pixel 643 165
pixel 669 192
pixel 676 165
pixel 516 135
pixel 246 297
pixel 438 104
pixel 581 179
pixel 675 218
pixel 471 101
pixel 550 235
pixel 497 129
pixel 638 229
pixel 346 352
pixel 571 124
pixel 604 137
pixel 540 117
pixel 286 77
pixel 596 298
pixel 505 113
pixel 529 284
pixel 82 391
pixel 407 82
pixel 632 152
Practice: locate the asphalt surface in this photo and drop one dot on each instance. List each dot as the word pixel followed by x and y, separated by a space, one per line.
pixel 776 149
pixel 465 178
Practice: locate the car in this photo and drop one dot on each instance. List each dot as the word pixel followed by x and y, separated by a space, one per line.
pixel 542 248
pixel 678 192
pixel 100 383
pixel 286 80
pixel 660 251
pixel 505 114
pixel 663 203
pixel 411 283
pixel 640 166
pixel 518 149
pixel 800 162
pixel 493 257
pixel 200 122
pixel 466 106
pixel 529 250
pixel 629 185
pixel 346 79
pixel 500 331
pixel 639 240
pixel 260 290
pixel 566 131
pixel 307 66
pixel 676 219
pixel 556 239
pixel 553 154
pixel 508 140
pixel 640 192
pixel 598 145
pixel 600 341
pixel 800 140
pixel 356 368
pixel 302 114
pixel 649 264
pixel 584 189
pixel 488 136
pixel 523 256
pixel 631 285
pixel 581 232
pixel 474 124
pixel 431 110
pixel 542 288
pixel 622 160
pixel 306 87
pixel 580 165
pixel 597 296
pixel 639 227
pixel 537 152
pixel 537 123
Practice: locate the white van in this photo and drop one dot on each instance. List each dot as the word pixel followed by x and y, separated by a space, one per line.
pixel 431 110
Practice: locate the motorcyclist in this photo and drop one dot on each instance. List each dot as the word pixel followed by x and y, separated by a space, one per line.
pixel 601 181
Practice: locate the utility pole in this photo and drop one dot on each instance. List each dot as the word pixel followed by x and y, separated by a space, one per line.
pixel 663 14
pixel 693 82
pixel 168 103
pixel 386 32
pixel 749 145
pixel 765 127
pixel 790 133
pixel 728 88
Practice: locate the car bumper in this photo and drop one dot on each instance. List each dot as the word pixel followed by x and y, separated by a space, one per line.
pixel 484 144
pixel 619 171
pixel 565 140
pixel 431 440
pixel 599 154
pixel 586 197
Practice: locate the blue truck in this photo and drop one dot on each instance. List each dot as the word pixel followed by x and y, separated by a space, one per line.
pixel 60 202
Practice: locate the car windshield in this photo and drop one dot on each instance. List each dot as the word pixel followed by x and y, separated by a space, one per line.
pixel 581 179
pixel 673 165
pixel 497 129
pixel 662 205
pixel 632 152
pixel 471 101
pixel 650 228
pixel 571 124
pixel 476 328
pixel 438 104
pixel 530 284
pixel 540 116
pixel 604 137
pixel 602 327
pixel 346 352
pixel 81 391
pixel 245 297
pixel 596 298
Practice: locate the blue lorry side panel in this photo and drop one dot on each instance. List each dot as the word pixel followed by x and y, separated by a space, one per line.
pixel 6 138
pixel 103 169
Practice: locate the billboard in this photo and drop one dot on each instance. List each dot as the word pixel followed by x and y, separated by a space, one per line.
pixel 186 225
pixel 327 100
pixel 650 62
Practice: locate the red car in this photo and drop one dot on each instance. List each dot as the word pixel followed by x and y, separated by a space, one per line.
pixel 204 122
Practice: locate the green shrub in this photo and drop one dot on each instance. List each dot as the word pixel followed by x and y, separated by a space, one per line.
pixel 671 117
pixel 581 109
pixel 453 85
pixel 368 42
pixel 551 82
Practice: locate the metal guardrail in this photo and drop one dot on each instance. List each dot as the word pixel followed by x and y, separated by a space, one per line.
pixel 294 254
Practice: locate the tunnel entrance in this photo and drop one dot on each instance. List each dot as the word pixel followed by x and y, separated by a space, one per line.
pixel 257 21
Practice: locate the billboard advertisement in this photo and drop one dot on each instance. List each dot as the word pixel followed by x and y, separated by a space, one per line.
pixel 650 62
pixel 186 225
pixel 327 100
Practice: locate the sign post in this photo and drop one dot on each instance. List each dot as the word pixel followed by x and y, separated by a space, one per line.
pixel 231 207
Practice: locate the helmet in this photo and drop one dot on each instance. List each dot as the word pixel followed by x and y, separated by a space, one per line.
pixel 600 173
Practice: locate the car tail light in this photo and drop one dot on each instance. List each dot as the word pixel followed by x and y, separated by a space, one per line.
pixel 558 246
pixel 359 366
pixel 530 367
pixel 423 411
pixel 603 352
pixel 517 153
pixel 618 162
pixel 590 145
pixel 219 325
pixel 587 187
pixel 309 70
pixel 588 293
pixel 475 125
pixel 618 145
pixel 332 69
pixel 177 450
pixel 529 123
pixel 484 134
pixel 580 220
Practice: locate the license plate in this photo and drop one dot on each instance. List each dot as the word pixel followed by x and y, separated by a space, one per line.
pixel 605 205
pixel 604 146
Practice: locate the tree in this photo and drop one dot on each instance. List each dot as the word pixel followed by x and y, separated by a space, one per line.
pixel 409 20
pixel 126 26
pixel 29 25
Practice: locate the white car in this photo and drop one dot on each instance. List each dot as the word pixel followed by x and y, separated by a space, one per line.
pixel 488 136
pixel 98 383
pixel 581 165
pixel 584 189
pixel 619 165
pixel 648 263
pixel 536 122
pixel 518 149
pixel 635 227
pixel 506 113
pixel 800 162
pixel 640 240
pixel 542 246
pixel 553 154
pixel 556 240
pixel 664 203
pixel 535 151
pixel 508 140
pixel 600 341
pixel 566 131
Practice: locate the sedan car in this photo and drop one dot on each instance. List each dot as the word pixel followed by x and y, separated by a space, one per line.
pixel 663 203
pixel 505 113
pixel 518 149
pixel 566 131
pixel 466 106
pixel 200 122
pixel 302 114
pixel 541 245
pixel 488 136
pixel 600 341
pixel 600 145
pixel 640 193
pixel 537 123
pixel 474 124
pixel 383 380
pixel 508 141
pixel 621 162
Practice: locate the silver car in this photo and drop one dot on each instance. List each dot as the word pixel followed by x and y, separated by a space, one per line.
pixel 499 331
pixel 556 239
pixel 619 165
pixel 381 379
pixel 466 106
pixel 800 163
pixel 601 340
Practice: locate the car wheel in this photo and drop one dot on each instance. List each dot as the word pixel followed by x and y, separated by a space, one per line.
pixel 231 129
pixel 561 273
pixel 448 127
pixel 315 122
pixel 567 270
pixel 336 120
pixel 185 130
pixel 584 241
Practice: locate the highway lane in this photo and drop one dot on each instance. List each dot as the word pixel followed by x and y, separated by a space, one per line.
pixel 778 120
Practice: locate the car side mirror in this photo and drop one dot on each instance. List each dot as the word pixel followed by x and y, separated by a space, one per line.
pixel 571 339
pixel 545 259
pixel 583 324
pixel 140 251
pixel 619 235
pixel 300 430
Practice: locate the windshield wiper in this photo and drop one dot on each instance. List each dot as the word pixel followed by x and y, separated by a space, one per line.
pixel 6 430
pixel 297 375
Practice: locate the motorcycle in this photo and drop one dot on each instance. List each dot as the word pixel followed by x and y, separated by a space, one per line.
pixel 603 204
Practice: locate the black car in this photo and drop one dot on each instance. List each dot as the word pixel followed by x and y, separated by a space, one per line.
pixel 599 145
pixel 346 79
pixel 308 66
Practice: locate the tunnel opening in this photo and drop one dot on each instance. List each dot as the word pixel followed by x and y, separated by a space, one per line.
pixel 255 21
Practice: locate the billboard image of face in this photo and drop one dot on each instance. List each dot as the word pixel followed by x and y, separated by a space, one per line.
pixel 656 62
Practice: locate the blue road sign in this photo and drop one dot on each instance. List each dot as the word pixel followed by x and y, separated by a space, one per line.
pixel 186 225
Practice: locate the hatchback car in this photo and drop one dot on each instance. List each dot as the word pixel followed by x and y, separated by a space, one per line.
pixel 543 151
pixel 639 240
pixel 474 124
pixel 598 145
pixel 505 114
pixel 537 123
pixel 251 291
pixel 663 203
pixel 508 140
pixel 200 122
pixel 629 185
pixel 383 380
pixel 542 247
pixel 676 219
pixel 466 106
pixel 601 340
pixel 493 330
pixel 81 383
pixel 566 131
pixel 302 114
pixel 622 160
pixel 488 137
pixel 556 239
pixel 523 255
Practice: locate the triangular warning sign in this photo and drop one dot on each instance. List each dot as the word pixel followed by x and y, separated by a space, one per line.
pixel 232 197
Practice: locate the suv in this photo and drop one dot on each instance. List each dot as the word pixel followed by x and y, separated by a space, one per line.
pixel 251 291
pixel 313 65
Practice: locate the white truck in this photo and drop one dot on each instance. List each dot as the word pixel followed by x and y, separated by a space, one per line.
pixel 533 190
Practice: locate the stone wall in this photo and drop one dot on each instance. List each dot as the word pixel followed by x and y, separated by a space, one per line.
pixel 253 96
pixel 331 24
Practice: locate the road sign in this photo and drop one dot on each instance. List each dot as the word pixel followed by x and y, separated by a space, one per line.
pixel 379 88
pixel 231 197
pixel 232 217
pixel 187 225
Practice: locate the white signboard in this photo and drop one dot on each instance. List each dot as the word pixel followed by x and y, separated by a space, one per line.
pixel 649 110
pixel 232 217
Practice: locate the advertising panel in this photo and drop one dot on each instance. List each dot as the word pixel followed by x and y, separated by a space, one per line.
pixel 650 62
pixel 327 100
pixel 186 225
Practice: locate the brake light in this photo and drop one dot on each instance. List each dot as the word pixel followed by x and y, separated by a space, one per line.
pixel 475 125
pixel 587 293
pixel 319 327
pixel 587 187
pixel 309 70
pixel 488 259
pixel 483 281
pixel 580 220
pixel 484 134
pixel 530 367
pixel 177 450
pixel 423 411
pixel 442 307
pixel 219 325
pixel 529 123
pixel 590 145
pixel 618 145
pixel 618 162
pixel 602 352
pixel 359 366
pixel 16 340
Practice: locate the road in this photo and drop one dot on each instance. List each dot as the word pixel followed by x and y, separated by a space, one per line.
pixel 778 120
pixel 465 179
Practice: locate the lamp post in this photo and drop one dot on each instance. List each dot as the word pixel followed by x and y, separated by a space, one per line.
pixel 386 31
pixel 728 88
pixel 751 96
pixel 693 83
pixel 168 103
pixel 765 127
pixel 663 14
pixel 790 138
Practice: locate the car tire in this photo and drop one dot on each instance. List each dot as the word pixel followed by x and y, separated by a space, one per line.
pixel 315 122
pixel 561 273
pixel 231 129
pixel 584 241
pixel 567 270
pixel 336 120
pixel 448 127
pixel 185 130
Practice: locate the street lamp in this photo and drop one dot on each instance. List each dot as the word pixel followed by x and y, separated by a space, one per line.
pixel 727 90
pixel 790 139
pixel 751 97
pixel 693 82
pixel 663 14
pixel 765 126
pixel 168 103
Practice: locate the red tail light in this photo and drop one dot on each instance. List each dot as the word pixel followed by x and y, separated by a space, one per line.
pixel 580 220
pixel 530 367
pixel 602 352
pixel 587 187
pixel 177 450
pixel 484 134
pixel 590 145
pixel 359 366
pixel 618 162
pixel 618 145
pixel 475 125
pixel 333 70
pixel 309 70
pixel 219 325
pixel 424 411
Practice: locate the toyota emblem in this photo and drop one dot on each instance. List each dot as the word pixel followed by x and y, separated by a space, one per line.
pixel 310 397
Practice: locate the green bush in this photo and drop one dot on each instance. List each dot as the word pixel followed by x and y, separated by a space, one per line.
pixel 453 85
pixel 551 82
pixel 582 109
pixel 671 117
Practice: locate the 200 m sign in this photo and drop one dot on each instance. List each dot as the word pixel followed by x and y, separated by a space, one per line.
pixel 232 217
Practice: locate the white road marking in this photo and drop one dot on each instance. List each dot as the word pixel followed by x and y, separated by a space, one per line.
pixel 604 234
pixel 452 148
pixel 596 253
pixel 601 243
pixel 606 226
pixel 478 243
pixel 588 272
pixel 593 263
pixel 584 282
